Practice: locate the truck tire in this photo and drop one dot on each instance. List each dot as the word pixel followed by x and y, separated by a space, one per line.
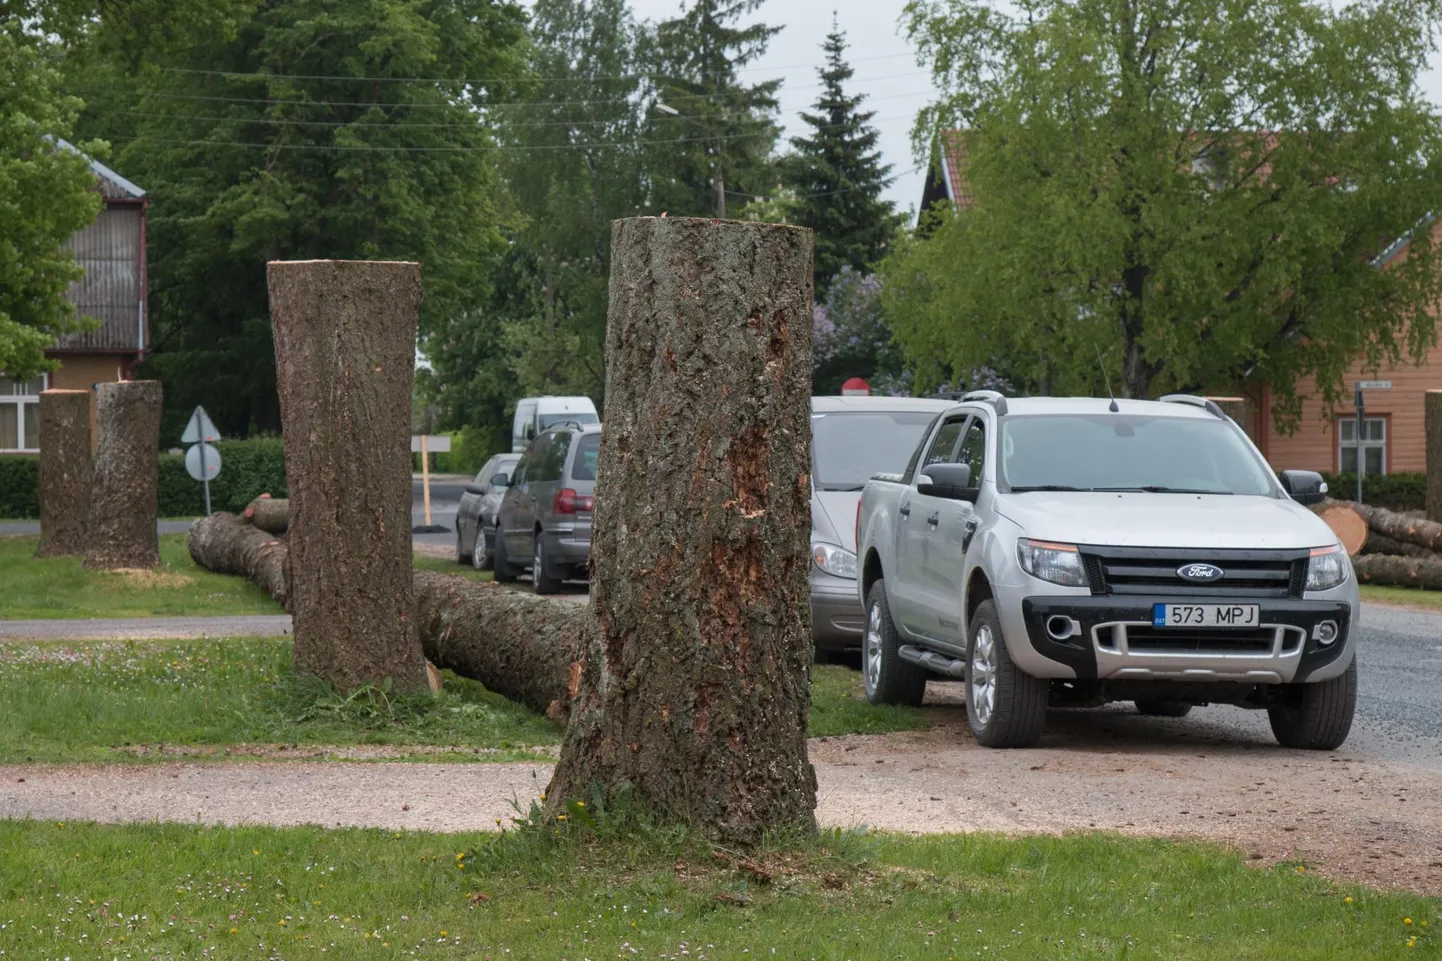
pixel 1317 717
pixel 885 677
pixel 1158 708
pixel 1005 706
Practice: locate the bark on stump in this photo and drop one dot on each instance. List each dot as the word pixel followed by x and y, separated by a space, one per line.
pixel 345 336
pixel 1433 407
pixel 124 498
pixel 66 473
pixel 228 544
pixel 694 689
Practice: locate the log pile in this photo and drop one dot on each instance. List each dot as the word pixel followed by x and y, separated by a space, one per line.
pixel 1387 547
pixel 523 647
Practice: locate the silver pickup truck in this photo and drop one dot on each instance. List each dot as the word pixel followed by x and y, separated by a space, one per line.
pixel 1073 552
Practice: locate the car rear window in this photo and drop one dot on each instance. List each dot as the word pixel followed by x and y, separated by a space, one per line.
pixel 586 450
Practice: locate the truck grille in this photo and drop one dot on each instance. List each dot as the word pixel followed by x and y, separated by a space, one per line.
pixel 1202 640
pixel 1145 570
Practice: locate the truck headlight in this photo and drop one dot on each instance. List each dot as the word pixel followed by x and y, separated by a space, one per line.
pixel 833 560
pixel 1053 563
pixel 1328 567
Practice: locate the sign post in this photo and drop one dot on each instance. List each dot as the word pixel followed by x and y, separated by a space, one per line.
pixel 424 444
pixel 1361 386
pixel 202 461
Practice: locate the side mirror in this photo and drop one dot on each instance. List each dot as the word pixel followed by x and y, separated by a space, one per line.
pixel 949 481
pixel 501 479
pixel 475 488
pixel 1304 486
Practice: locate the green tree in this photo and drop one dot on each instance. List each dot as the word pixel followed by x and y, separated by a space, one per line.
pixel 308 134
pixel 838 175
pixel 1201 189
pixel 46 194
pixel 711 134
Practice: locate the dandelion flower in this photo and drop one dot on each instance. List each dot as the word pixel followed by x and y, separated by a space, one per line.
pixel 1406 920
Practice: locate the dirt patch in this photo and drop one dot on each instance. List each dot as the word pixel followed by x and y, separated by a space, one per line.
pixel 146 578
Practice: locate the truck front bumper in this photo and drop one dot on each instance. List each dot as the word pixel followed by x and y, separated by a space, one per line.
pixel 1113 638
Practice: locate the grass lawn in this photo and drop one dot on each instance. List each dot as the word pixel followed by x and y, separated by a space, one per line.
pixel 305 894
pixel 448 565
pixel 58 587
pixel 1402 596
pixel 107 700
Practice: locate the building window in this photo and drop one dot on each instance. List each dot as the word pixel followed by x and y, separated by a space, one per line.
pixel 20 414
pixel 1374 445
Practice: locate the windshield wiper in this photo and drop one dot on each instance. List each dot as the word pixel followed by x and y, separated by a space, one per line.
pixel 1049 487
pixel 1160 489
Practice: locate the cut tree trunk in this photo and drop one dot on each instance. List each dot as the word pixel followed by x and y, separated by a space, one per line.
pixel 124 499
pixel 1399 571
pixel 694 688
pixel 523 647
pixel 270 514
pixel 228 544
pixel 1348 524
pixel 1400 527
pixel 1382 544
pixel 1433 429
pixel 66 473
pixel 345 336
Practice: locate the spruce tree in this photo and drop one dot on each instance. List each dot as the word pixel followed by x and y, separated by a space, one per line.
pixel 838 175
pixel 713 136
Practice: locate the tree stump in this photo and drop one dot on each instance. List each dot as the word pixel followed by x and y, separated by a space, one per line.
pixel 694 688
pixel 1349 525
pixel 1433 429
pixel 345 339
pixel 66 473
pixel 124 497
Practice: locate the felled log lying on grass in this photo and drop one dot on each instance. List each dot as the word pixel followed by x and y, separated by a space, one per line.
pixel 1393 571
pixel 228 544
pixel 523 647
pixel 269 514
pixel 1388 548
pixel 1382 544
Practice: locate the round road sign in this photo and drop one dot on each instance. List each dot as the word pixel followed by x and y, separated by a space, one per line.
pixel 212 462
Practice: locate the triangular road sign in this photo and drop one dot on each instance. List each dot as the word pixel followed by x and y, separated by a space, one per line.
pixel 199 429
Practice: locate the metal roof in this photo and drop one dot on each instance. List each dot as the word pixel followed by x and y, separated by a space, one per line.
pixel 112 185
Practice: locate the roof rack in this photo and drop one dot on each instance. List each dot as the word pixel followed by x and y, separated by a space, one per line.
pixel 1207 404
pixel 994 397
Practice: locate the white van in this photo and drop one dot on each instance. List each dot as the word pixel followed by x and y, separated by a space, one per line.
pixel 535 414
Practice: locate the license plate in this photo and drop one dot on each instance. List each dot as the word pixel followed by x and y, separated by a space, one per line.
pixel 1205 615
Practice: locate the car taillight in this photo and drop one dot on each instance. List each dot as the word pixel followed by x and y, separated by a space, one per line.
pixel 569 502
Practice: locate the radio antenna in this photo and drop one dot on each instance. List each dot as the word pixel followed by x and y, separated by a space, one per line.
pixel 1107 379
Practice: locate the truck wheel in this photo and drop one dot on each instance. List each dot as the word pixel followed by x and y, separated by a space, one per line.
pixel 885 677
pixel 1005 705
pixel 1317 717
pixel 1156 708
pixel 505 573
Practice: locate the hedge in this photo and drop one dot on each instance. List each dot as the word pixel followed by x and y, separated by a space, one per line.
pixel 247 468
pixel 1396 492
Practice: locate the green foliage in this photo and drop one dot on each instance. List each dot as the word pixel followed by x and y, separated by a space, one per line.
pixel 19 486
pixel 1396 492
pixel 46 195
pixel 60 588
pixel 850 337
pixel 838 176
pixel 1199 189
pixel 721 126
pixel 306 134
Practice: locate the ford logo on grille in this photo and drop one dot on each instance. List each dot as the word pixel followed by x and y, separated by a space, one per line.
pixel 1200 573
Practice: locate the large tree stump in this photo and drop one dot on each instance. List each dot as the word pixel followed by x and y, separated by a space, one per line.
pixel 345 337
pixel 228 544
pixel 66 472
pixel 125 496
pixel 1432 400
pixel 694 689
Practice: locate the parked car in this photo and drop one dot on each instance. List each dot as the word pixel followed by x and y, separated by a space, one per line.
pixel 535 414
pixel 1072 552
pixel 545 516
pixel 852 438
pixel 480 504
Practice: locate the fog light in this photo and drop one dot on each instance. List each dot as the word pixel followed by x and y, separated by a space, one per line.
pixel 1325 632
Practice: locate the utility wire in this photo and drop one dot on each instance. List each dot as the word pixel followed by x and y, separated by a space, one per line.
pixel 824 193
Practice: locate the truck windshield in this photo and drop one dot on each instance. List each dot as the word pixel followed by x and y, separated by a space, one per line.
pixel 1124 452
pixel 847 447
pixel 574 417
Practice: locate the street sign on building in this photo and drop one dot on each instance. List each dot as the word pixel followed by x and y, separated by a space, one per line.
pixel 1374 385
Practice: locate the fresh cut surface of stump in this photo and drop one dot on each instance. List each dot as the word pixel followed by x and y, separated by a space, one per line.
pixel 125 493
pixel 694 687
pixel 345 338
pixel 66 472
